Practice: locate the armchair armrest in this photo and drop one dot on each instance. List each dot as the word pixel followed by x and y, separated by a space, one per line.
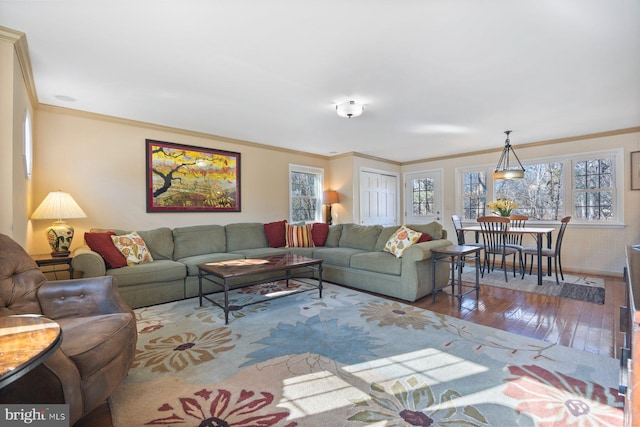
pixel 90 263
pixel 81 297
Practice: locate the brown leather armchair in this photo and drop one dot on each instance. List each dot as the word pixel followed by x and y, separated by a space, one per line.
pixel 98 334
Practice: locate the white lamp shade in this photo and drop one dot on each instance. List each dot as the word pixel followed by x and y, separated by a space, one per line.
pixel 58 205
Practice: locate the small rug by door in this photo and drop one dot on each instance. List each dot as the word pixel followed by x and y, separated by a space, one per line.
pixel 352 359
pixel 578 287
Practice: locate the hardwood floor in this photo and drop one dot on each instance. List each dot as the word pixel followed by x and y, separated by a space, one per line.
pixel 577 324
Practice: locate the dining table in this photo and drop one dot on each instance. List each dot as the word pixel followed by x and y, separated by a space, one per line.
pixel 537 232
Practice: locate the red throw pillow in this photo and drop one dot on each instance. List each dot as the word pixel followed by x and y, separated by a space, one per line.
pixel 275 232
pixel 319 233
pixel 425 238
pixel 101 243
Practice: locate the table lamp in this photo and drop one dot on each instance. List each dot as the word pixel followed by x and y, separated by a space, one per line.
pixel 330 197
pixel 59 205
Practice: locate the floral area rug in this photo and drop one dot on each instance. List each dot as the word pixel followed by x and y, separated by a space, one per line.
pixel 351 359
pixel 578 287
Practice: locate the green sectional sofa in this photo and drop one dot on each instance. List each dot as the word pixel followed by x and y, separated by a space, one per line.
pixel 353 256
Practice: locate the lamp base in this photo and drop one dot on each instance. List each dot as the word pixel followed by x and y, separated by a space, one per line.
pixel 63 254
pixel 60 235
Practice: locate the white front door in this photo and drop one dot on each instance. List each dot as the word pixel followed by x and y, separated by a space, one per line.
pixel 423 197
pixel 378 198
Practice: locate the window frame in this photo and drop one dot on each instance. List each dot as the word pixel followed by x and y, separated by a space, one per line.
pixel 568 160
pixel 319 172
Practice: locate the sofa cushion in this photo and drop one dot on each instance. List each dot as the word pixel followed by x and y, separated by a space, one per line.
pixel 333 238
pixel 158 271
pixel 133 248
pixel 199 240
pixel 192 262
pixel 299 236
pixel 246 235
pixel 360 236
pixel 434 229
pixel 378 262
pixel 101 243
pixel 403 238
pixel 384 236
pixel 159 241
pixel 275 232
pixel 319 231
pixel 337 256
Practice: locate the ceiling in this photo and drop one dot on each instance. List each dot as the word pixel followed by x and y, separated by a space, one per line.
pixel 437 77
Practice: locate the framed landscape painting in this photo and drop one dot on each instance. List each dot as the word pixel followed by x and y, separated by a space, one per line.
pixel 184 178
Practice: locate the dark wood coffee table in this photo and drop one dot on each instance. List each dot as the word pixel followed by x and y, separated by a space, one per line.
pixel 221 273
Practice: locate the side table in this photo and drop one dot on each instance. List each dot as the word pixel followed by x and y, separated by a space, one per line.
pixel 25 342
pixel 456 256
pixel 46 260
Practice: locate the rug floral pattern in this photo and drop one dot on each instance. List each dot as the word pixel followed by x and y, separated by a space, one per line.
pixel 351 359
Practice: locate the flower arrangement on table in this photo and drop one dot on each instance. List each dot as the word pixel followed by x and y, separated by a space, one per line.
pixel 502 206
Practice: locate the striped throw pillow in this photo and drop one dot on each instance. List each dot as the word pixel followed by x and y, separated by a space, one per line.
pixel 299 236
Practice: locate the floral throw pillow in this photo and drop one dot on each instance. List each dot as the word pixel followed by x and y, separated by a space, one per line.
pixel 133 248
pixel 401 240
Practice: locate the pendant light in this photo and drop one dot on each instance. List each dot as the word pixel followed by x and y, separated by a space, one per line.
pixel 504 169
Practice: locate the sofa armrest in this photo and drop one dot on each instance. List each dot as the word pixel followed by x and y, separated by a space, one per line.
pixel 422 251
pixel 81 297
pixel 88 262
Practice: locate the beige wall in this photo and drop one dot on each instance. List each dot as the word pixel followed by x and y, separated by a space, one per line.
pixel 14 104
pixel 106 174
pixel 587 249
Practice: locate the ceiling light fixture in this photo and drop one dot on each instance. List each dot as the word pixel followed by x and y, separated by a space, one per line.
pixel 349 109
pixel 504 169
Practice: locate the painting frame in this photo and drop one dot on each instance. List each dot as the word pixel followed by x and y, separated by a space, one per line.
pixel 186 178
pixel 635 170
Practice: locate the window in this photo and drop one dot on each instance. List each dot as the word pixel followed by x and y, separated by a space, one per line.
pixel 474 194
pixel 593 189
pixel 423 196
pixel 582 186
pixel 305 189
pixel 539 195
pixel 28 145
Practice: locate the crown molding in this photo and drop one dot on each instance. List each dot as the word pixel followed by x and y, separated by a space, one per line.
pixel 163 128
pixel 531 144
pixel 19 41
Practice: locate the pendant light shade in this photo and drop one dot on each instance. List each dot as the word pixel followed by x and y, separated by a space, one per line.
pixel 504 170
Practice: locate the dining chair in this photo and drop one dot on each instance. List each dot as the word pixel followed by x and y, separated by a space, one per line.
pixel 515 240
pixel 494 235
pixel 457 223
pixel 549 252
